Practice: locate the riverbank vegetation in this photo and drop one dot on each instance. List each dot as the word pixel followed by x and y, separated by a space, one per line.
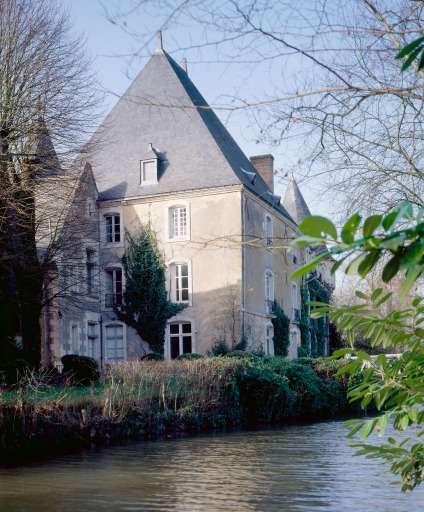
pixel 139 399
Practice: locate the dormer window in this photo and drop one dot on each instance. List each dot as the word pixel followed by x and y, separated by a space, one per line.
pixel 148 171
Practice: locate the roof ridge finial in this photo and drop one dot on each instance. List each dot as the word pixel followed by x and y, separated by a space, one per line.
pixel 159 44
pixel 184 64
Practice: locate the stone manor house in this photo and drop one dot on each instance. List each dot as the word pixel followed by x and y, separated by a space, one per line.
pixel 162 155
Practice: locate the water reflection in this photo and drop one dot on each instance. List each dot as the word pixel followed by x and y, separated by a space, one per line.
pixel 297 468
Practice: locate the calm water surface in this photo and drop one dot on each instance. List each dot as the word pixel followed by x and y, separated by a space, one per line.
pixel 297 468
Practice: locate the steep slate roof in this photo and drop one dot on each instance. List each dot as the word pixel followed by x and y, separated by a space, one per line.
pixel 296 206
pixel 163 107
pixel 294 202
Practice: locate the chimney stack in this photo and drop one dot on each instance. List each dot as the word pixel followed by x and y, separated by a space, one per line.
pixel 264 164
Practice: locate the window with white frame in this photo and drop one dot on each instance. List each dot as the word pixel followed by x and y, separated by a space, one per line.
pixel 269 292
pixel 115 342
pixel 113 287
pixel 269 336
pixel 180 339
pixel 92 339
pixel 148 171
pixel 294 255
pixel 178 222
pixel 294 301
pixel 112 228
pixel 269 232
pixel 180 281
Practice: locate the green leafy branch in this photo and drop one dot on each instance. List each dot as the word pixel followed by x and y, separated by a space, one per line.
pixel 394 385
pixel 361 245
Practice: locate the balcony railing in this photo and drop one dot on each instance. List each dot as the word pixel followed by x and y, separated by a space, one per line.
pixel 113 300
pixel 295 315
pixel 270 307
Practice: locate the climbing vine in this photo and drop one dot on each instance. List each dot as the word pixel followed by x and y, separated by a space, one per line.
pixel 304 324
pixel 314 332
pixel 146 307
pixel 281 324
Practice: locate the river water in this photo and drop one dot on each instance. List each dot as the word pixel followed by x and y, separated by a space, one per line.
pixel 297 468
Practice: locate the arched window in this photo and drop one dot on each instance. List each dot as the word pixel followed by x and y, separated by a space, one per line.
pixel 180 286
pixel 113 287
pixel 180 338
pixel 269 292
pixel 294 301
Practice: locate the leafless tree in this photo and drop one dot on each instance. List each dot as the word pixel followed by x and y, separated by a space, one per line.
pixel 46 111
pixel 335 96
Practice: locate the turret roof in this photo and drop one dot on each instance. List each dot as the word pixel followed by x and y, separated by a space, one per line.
pixel 295 203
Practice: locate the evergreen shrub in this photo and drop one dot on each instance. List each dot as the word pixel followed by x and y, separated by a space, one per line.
pixel 82 370
pixel 14 371
pixel 219 348
pixel 152 356
pixel 240 354
pixel 190 355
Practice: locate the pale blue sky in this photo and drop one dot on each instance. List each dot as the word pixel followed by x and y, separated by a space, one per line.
pixel 113 48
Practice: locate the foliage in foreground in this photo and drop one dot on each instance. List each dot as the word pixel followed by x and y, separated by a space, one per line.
pixel 396 387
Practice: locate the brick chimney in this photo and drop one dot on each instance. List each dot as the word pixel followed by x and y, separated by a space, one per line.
pixel 264 164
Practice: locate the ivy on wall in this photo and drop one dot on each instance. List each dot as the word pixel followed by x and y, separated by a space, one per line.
pixel 281 324
pixel 304 324
pixel 146 307
pixel 314 332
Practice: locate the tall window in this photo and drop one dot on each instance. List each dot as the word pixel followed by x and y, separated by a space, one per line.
pixel 148 171
pixel 269 335
pixel 178 222
pixel 115 342
pixel 92 339
pixel 90 264
pixel 268 231
pixel 295 307
pixel 269 292
pixel 113 295
pixel 180 282
pixel 180 339
pixel 74 338
pixel 113 228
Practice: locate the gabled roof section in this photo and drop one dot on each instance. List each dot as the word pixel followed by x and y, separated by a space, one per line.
pixel 163 107
pixel 295 203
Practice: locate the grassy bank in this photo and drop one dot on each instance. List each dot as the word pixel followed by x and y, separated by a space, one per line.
pixel 147 398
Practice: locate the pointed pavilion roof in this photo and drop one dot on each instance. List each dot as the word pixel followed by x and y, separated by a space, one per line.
pixel 162 107
pixel 44 151
pixel 296 206
pixel 295 203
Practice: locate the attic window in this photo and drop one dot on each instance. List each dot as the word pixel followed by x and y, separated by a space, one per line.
pixel 148 171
